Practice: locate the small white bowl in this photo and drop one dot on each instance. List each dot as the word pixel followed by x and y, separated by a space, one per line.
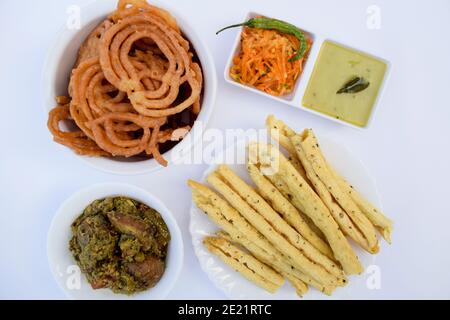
pixel 62 56
pixel 288 99
pixel 381 90
pixel 64 267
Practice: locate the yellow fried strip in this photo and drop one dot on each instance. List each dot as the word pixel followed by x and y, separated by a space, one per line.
pixel 281 133
pixel 300 287
pixel 304 197
pixel 279 263
pixel 226 217
pixel 273 218
pixel 297 258
pixel 249 261
pixel 287 210
pixel 234 257
pixel 383 223
pixel 282 187
pixel 341 217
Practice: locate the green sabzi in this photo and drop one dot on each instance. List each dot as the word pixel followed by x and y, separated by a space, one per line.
pixel 277 25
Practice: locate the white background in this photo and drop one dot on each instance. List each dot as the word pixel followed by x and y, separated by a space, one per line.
pixel 406 149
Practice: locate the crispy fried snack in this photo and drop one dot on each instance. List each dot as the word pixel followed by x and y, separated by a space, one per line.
pixel 354 224
pixel 279 224
pixel 115 60
pixel 135 88
pixel 309 152
pixel 76 140
pixel 295 256
pixel 306 200
pixel 244 263
pixel 289 213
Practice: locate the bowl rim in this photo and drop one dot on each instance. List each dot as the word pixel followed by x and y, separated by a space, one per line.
pixel 96 10
pixel 68 209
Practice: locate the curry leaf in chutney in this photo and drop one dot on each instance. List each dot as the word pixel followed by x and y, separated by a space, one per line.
pixel 355 85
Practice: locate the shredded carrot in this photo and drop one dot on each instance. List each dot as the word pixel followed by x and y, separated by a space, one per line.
pixel 263 61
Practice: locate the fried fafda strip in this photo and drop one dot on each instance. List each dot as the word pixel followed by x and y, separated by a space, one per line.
pixel 281 186
pixel 300 287
pixel 297 279
pixel 299 260
pixel 308 144
pixel 248 260
pixel 229 219
pixel 378 219
pixel 273 196
pixel 282 133
pixel 242 262
pixel 304 198
pixel 273 218
pixel 240 231
pixel 226 217
pixel 341 217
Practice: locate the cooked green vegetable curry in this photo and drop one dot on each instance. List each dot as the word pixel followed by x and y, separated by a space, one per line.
pixel 344 83
pixel 121 244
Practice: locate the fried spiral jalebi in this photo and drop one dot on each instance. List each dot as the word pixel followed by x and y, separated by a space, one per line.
pixel 89 49
pixel 131 7
pixel 132 85
pixel 91 97
pixel 116 44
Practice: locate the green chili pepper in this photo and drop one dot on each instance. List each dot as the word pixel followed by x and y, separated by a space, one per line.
pixel 355 85
pixel 278 25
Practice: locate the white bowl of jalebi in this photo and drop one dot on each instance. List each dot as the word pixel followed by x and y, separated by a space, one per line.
pixel 129 86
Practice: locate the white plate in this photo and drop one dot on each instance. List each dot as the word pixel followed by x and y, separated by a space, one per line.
pixel 63 265
pixel 237 287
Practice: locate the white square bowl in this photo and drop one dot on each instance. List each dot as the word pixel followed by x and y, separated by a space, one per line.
pixel 294 99
pixel 377 99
